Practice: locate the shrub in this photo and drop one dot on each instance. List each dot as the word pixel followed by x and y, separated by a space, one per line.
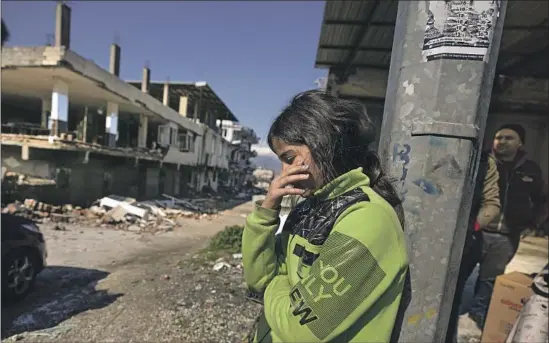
pixel 228 240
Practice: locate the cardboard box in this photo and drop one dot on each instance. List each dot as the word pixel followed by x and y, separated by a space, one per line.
pixel 510 293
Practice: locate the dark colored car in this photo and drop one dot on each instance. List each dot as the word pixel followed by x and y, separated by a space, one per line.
pixel 23 256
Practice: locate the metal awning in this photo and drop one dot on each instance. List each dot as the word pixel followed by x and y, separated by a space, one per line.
pixel 359 34
pixel 194 91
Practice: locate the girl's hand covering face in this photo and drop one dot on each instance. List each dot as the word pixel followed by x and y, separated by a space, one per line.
pixel 282 185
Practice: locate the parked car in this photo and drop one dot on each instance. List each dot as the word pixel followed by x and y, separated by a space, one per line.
pixel 23 256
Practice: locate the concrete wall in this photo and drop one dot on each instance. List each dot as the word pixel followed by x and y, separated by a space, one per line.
pixel 210 143
pixel 31 56
pixel 185 183
pixel 229 133
pixel 152 181
pixel 125 180
pixel 171 181
pixel 42 167
pixel 83 182
pixel 175 156
pixel 206 178
pixel 87 183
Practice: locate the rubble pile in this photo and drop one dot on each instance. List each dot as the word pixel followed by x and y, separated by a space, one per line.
pixel 121 212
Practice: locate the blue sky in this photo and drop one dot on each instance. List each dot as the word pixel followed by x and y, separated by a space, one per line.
pixel 255 55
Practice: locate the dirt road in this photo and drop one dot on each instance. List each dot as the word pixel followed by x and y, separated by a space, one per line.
pixel 104 285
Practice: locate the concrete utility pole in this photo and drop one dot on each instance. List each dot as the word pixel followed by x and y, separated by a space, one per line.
pixel 442 69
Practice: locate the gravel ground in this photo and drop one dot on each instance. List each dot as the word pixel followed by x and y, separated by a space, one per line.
pixel 177 301
pixel 111 286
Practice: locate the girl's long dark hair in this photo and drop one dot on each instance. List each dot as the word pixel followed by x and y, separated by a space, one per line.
pixel 338 133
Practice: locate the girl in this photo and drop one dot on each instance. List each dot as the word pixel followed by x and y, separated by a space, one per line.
pixel 337 270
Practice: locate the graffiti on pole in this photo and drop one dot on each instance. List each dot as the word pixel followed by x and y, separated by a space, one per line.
pixel 459 29
pixel 402 152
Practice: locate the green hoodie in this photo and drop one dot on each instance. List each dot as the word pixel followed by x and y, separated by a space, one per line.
pixel 352 291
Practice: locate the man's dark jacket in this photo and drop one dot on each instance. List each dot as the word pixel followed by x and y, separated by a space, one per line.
pixel 522 193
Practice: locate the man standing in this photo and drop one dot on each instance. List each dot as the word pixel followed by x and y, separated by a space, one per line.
pixel 523 206
pixel 484 208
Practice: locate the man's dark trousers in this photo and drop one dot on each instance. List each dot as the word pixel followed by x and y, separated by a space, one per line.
pixel 472 253
pixel 497 251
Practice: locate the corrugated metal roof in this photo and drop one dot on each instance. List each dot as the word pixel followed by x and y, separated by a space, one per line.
pixel 524 48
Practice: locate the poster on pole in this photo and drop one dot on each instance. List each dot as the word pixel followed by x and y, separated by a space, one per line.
pixel 459 29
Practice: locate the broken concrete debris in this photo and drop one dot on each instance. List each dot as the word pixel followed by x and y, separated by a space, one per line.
pixel 122 212
pixel 221 263
pixel 121 207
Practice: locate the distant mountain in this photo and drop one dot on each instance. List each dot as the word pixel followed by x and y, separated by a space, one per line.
pixel 266 158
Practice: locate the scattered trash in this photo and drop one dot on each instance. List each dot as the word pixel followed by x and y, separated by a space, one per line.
pixel 237 256
pixel 220 266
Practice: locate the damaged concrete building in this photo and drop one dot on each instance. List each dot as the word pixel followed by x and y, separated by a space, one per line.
pixel 199 103
pixel 241 139
pixel 73 132
pixel 263 178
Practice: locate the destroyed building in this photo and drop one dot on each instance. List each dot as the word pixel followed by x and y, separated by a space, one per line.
pixel 241 139
pixel 263 177
pixel 73 132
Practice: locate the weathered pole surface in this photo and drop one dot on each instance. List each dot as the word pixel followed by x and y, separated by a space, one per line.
pixel 442 70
